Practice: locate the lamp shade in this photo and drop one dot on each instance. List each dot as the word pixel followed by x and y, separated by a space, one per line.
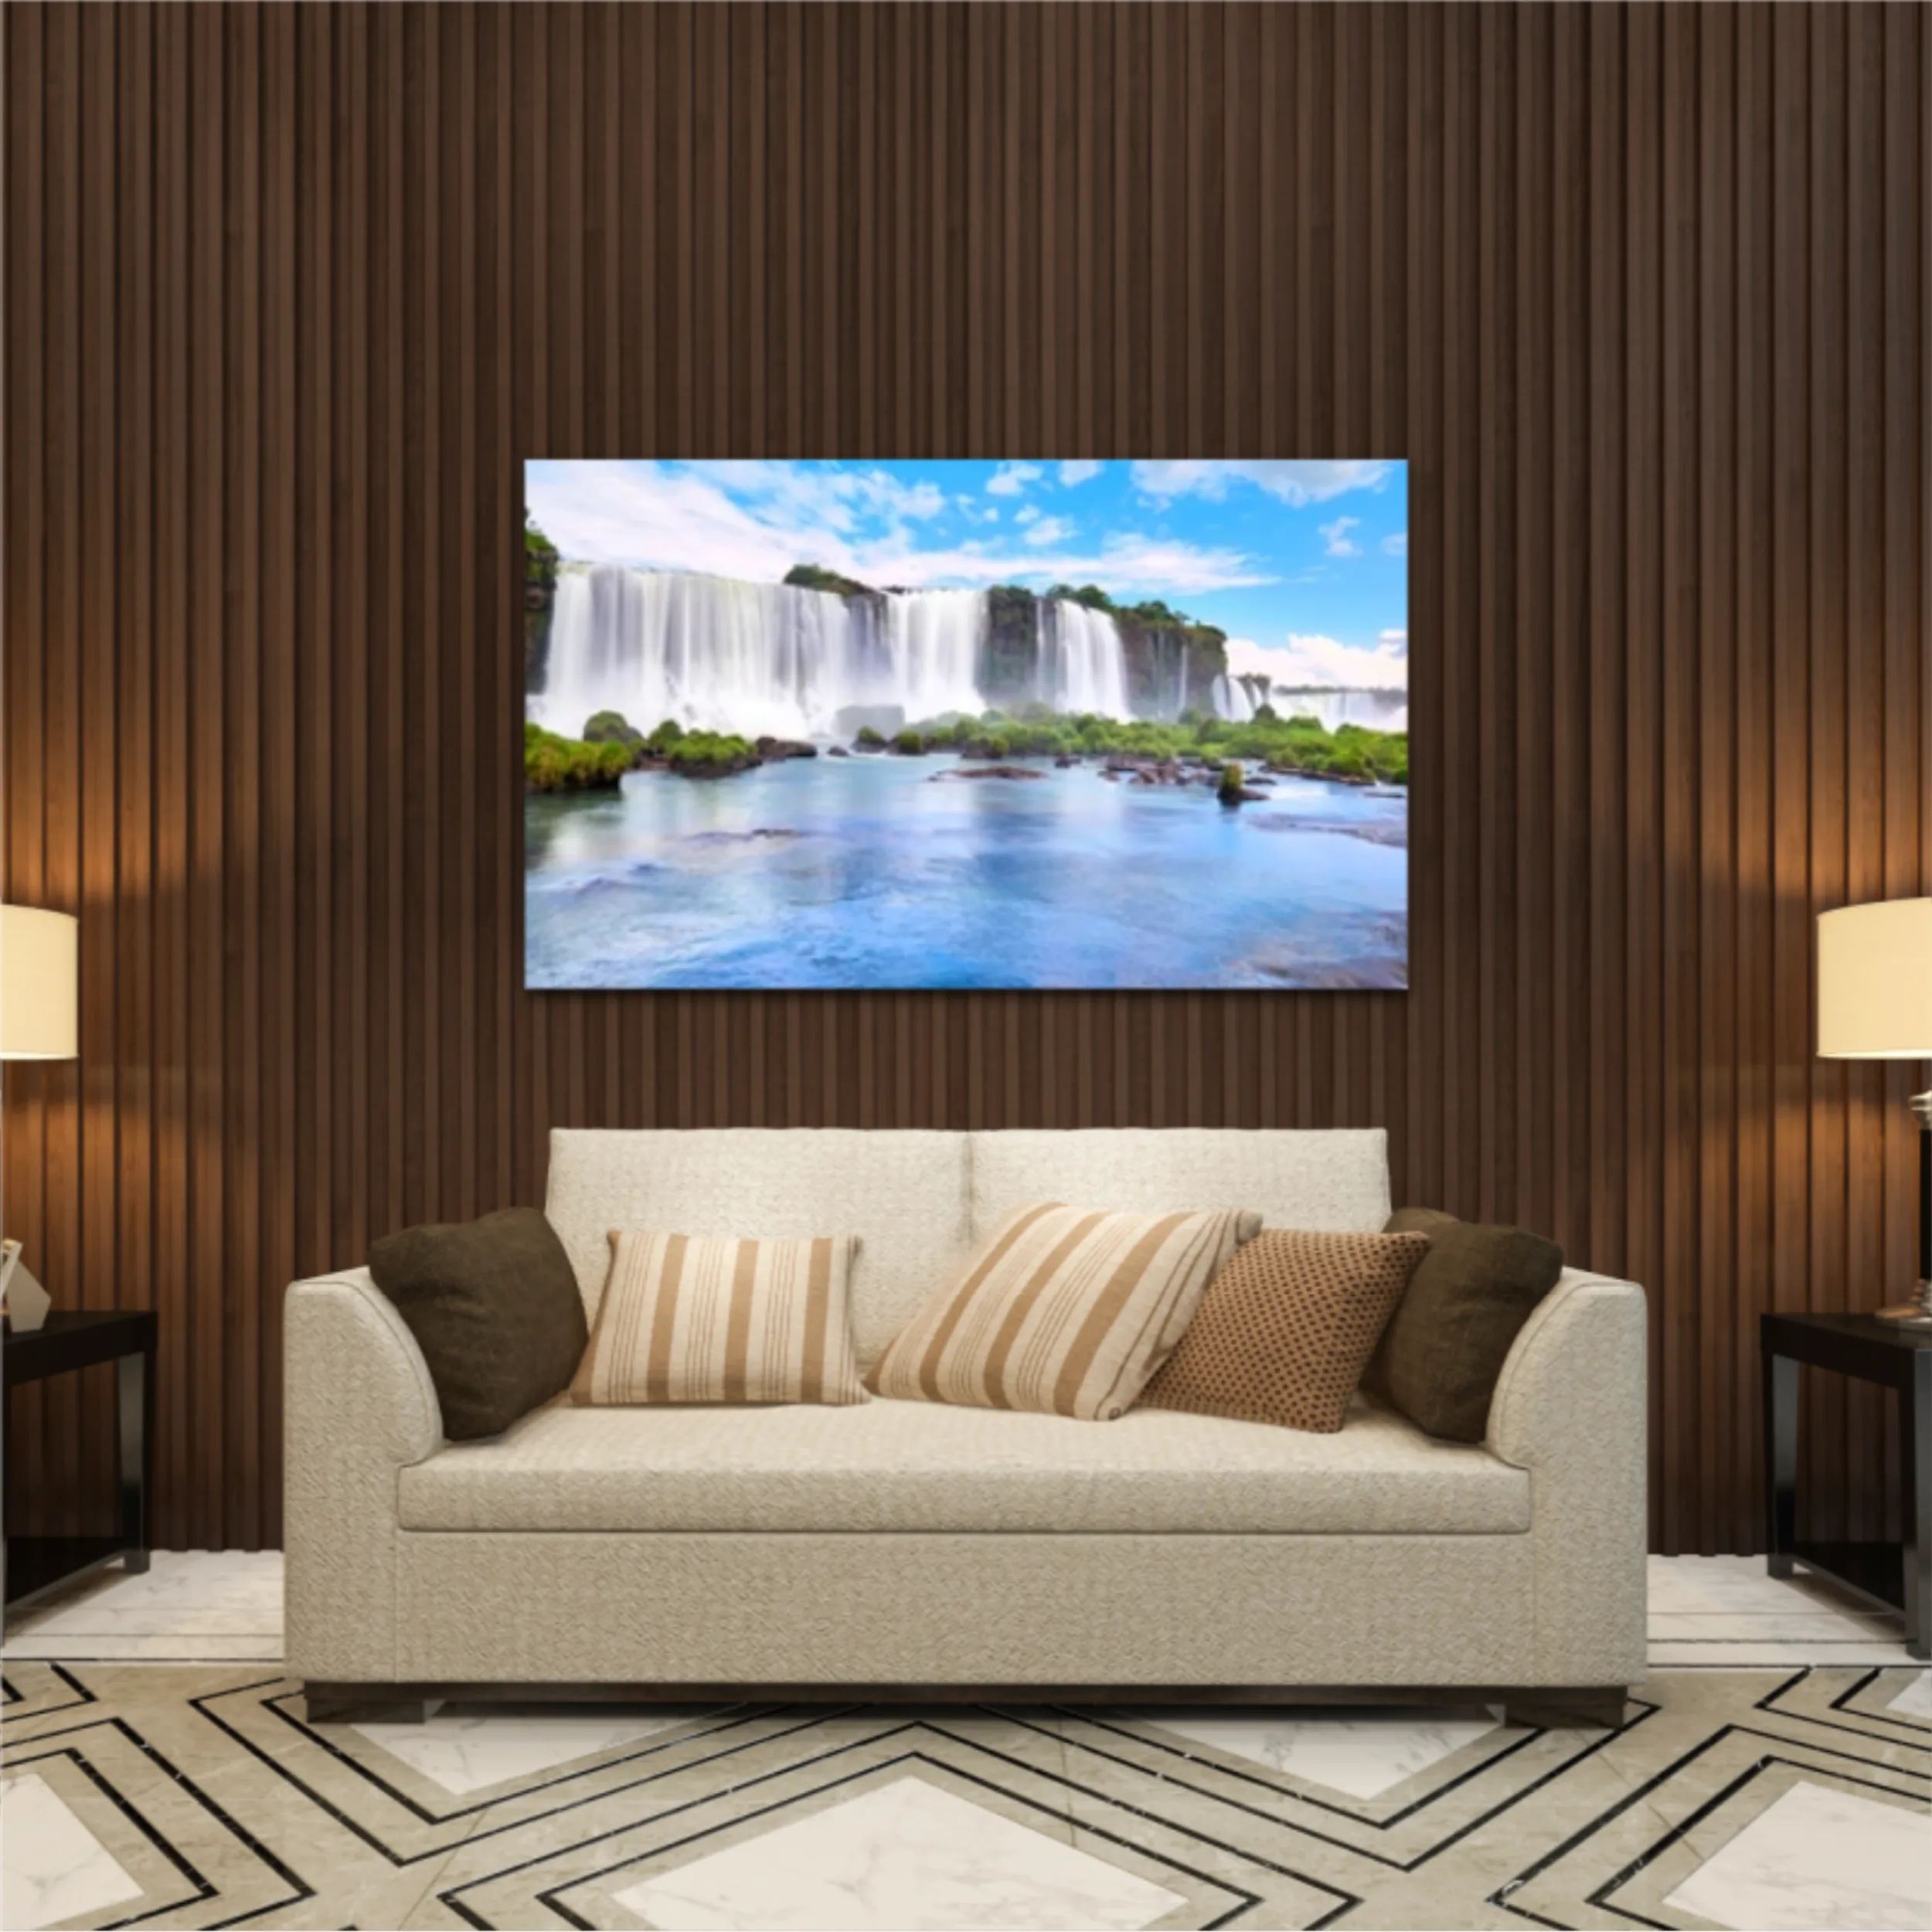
pixel 1874 981
pixel 39 984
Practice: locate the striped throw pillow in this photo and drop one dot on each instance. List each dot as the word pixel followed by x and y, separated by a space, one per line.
pixel 1066 1310
pixel 688 1319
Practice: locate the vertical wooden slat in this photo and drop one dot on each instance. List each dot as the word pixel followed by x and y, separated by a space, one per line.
pixel 210 500
pixel 27 1089
pixel 243 649
pixel 100 723
pixel 1640 292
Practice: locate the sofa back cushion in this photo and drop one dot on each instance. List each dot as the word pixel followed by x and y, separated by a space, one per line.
pixel 920 1201
pixel 903 1193
pixel 1334 1179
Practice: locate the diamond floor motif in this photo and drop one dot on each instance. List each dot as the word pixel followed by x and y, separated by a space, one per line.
pixel 907 1857
pixel 468 1752
pixel 200 1796
pixel 1360 1756
pixel 1817 1856
pixel 56 1868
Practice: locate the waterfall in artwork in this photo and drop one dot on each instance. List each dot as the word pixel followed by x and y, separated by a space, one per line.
pixel 721 654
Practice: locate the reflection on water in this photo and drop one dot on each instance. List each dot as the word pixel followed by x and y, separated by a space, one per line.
pixel 880 872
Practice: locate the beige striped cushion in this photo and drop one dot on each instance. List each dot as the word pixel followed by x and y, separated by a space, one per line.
pixel 685 1319
pixel 1067 1311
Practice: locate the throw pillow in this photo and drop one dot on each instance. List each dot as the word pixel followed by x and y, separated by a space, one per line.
pixel 688 1319
pixel 1285 1330
pixel 1445 1344
pixel 1065 1311
pixel 494 1305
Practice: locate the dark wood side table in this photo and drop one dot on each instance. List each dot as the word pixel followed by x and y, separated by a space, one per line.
pixel 1898 1576
pixel 78 1339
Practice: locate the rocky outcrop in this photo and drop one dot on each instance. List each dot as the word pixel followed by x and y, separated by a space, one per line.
pixel 1171 667
pixel 540 599
pixel 1009 665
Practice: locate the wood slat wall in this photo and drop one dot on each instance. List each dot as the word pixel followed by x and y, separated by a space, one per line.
pixel 1642 294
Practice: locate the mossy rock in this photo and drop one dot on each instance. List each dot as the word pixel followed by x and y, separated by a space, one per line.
pixel 553 762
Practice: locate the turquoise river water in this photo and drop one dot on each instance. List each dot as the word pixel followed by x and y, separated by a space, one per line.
pixel 885 871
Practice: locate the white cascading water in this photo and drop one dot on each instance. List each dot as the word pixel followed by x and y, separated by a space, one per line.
pixel 723 654
pixel 932 662
pixel 1376 710
pixel 1233 700
pixel 1082 663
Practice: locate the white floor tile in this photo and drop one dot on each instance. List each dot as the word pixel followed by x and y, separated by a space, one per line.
pixel 57 1648
pixel 1818 1856
pixel 1762 1654
pixel 907 1857
pixel 1916 1699
pixel 1359 1755
pixel 1781 1627
pixel 55 1869
pixel 467 1752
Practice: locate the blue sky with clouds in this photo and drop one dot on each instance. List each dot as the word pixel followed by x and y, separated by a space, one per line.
pixel 1303 564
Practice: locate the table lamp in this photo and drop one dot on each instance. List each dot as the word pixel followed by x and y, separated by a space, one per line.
pixel 1875 1003
pixel 39 1020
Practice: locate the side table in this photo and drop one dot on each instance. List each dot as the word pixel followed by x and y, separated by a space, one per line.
pixel 1897 1575
pixel 78 1339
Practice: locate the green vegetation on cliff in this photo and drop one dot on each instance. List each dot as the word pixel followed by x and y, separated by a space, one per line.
pixel 555 763
pixel 815 576
pixel 540 561
pixel 539 554
pixel 1151 614
pixel 1293 745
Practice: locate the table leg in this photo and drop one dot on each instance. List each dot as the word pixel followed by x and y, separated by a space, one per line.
pixel 1917 1445
pixel 135 1381
pixel 1780 1462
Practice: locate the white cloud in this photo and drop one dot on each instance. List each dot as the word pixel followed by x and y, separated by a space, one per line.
pixel 1396 545
pixel 1324 661
pixel 1339 542
pixel 1010 478
pixel 679 517
pixel 1027 513
pixel 1298 483
pixel 1395 641
pixel 1081 470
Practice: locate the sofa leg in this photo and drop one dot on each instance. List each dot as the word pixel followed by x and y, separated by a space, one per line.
pixel 1561 1709
pixel 364 1704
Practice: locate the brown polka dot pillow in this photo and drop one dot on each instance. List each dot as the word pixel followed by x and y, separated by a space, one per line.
pixel 1286 1329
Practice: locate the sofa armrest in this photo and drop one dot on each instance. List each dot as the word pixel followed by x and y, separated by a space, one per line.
pixel 1570 1408
pixel 359 1406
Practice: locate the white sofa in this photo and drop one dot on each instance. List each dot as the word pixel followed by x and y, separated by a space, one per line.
pixel 903 1547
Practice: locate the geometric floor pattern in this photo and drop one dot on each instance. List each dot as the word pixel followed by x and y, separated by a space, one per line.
pixel 200 1796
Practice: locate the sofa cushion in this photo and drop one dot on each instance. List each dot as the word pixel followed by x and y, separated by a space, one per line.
pixel 904 1193
pixel 491 1305
pixel 684 1318
pixel 916 1466
pixel 1331 1178
pixel 1442 1354
pixel 1286 1329
pixel 1065 1311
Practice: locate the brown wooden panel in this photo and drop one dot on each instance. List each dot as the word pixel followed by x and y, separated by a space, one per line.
pixel 1639 292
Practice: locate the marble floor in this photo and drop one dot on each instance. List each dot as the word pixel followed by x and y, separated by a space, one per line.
pixel 1774 1771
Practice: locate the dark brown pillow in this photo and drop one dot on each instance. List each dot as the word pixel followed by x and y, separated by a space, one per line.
pixel 494 1306
pixel 1285 1329
pixel 1444 1346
